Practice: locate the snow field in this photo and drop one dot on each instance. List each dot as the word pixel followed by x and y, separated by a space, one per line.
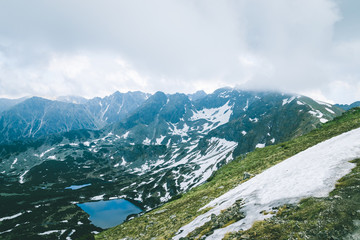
pixel 312 172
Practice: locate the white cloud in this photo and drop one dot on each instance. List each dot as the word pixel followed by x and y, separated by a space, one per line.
pixel 69 66
pixel 95 48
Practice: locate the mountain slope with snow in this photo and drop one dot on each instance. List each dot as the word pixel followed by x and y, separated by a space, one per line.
pixel 172 140
pixel 212 202
pixel 311 173
pixel 162 148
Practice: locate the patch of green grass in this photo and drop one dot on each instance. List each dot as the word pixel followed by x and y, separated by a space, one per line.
pixel 164 222
pixel 331 217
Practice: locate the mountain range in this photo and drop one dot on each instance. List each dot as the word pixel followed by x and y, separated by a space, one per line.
pixel 348 106
pixel 305 188
pixel 146 148
pixel 35 117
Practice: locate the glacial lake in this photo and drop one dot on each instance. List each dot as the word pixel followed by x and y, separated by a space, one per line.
pixel 75 187
pixel 106 214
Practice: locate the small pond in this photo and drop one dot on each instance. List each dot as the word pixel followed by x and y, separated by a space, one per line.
pixel 75 187
pixel 106 214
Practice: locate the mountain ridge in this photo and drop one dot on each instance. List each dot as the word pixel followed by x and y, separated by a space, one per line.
pixel 161 150
pixel 56 116
pixel 184 209
pixel 348 106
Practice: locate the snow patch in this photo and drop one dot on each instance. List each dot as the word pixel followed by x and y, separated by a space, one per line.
pixel 6 231
pixel 220 115
pixel 168 143
pixel 50 232
pixel 167 194
pixel 123 163
pixel 159 140
pixel 287 100
pixel 71 233
pixel 219 150
pixel 329 110
pixel 14 162
pixel 11 217
pixel 107 136
pixel 311 173
pixel 247 105
pixel 316 113
pixel 253 120
pixel 138 198
pixel 159 162
pixel 179 131
pixel 146 141
pixel 97 198
pixel 125 135
pixel 323 103
pixel 21 178
pixel 323 120
pixel 260 145
pixel 42 154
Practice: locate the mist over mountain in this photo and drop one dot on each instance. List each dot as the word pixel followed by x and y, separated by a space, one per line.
pixel 6 104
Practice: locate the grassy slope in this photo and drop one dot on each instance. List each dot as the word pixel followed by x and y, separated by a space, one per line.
pixel 162 223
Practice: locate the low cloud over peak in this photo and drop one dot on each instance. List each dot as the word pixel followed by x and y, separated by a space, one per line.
pixel 94 48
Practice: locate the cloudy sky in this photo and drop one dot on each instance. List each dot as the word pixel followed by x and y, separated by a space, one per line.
pixel 93 48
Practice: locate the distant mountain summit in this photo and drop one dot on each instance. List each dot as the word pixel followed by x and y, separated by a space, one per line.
pixel 36 117
pixel 6 103
pixel 348 106
pixel 197 95
pixel 72 99
pixel 116 107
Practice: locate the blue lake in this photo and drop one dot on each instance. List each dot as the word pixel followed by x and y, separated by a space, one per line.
pixel 75 187
pixel 106 214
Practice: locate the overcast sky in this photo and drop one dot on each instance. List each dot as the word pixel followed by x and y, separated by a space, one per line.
pixel 95 47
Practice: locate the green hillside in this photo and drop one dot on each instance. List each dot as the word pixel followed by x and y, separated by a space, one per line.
pixel 164 222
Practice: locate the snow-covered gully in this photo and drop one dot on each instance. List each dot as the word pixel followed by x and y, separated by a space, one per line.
pixel 312 172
